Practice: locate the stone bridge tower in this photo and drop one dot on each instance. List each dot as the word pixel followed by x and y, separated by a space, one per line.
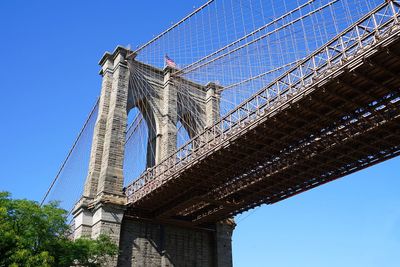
pixel 128 83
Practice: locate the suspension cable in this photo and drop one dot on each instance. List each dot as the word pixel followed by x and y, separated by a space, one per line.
pixel 70 151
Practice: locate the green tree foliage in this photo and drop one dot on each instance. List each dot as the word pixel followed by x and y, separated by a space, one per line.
pixel 37 236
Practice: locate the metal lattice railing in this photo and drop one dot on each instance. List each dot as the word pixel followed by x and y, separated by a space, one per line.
pixel 378 24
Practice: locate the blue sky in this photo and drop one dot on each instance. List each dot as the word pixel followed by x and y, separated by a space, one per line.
pixel 49 81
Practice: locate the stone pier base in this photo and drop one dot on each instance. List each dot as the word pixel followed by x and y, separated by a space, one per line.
pixel 144 243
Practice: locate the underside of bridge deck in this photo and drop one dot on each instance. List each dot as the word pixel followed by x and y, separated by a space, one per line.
pixel 336 127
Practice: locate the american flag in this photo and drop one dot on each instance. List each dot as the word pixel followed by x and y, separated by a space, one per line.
pixel 170 62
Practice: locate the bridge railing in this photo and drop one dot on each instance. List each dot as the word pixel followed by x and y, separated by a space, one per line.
pixel 377 24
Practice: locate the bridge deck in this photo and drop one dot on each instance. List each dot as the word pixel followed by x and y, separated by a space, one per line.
pixel 341 124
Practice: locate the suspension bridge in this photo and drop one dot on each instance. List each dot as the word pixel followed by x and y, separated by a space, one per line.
pixel 239 104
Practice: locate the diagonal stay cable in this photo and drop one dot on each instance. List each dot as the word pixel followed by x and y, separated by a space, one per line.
pixel 70 152
pixel 195 67
pixel 174 26
pixel 247 35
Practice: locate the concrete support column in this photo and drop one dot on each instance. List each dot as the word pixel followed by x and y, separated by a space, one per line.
pixel 213 98
pixel 107 219
pixel 223 243
pixel 151 153
pixel 146 243
pixel 111 175
pixel 102 207
pixel 109 204
pixel 169 115
pixel 82 219
pixel 96 154
pixel 82 214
